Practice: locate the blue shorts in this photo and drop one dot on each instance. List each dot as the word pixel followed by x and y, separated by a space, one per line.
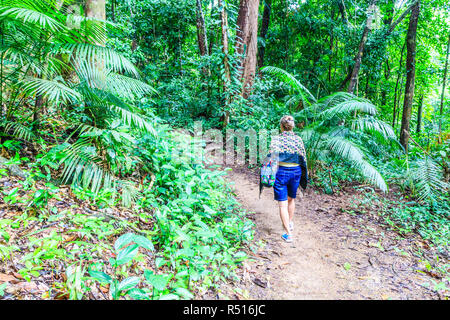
pixel 287 182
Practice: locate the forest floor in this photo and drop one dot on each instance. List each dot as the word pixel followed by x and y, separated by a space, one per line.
pixel 334 255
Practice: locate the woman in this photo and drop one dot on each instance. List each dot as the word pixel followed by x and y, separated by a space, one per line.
pixel 289 149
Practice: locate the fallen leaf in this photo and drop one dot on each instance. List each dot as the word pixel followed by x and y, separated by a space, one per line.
pixel 18 275
pixel 7 278
pixel 260 283
pixel 29 286
pixel 69 238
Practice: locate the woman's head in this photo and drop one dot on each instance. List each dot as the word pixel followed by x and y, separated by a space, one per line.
pixel 287 123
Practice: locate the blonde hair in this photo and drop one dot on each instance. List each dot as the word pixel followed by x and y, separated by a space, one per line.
pixel 287 123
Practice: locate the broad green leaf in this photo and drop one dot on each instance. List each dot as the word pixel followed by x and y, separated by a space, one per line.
pixel 138 294
pixel 100 276
pixel 127 254
pixel 123 240
pixel 114 289
pixel 143 242
pixel 169 296
pixel 184 293
pixel 158 281
pixel 128 283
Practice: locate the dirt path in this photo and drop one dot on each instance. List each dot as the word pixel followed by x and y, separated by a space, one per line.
pixel 333 256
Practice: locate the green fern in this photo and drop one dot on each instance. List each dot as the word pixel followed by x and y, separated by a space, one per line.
pixel 427 178
pixel 287 78
pixel 40 44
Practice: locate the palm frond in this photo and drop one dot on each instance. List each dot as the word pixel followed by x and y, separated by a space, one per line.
pixel 291 81
pixel 134 119
pixel 335 98
pixel 129 192
pixel 428 179
pixel 27 16
pixel 127 87
pixel 371 175
pixel 348 150
pixel 55 91
pixel 347 107
pixel 98 54
pixel 19 130
pixel 371 125
pixel 108 81
pixel 82 166
pixel 344 148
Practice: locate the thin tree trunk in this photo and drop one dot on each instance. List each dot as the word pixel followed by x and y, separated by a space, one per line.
pixel 331 48
pixel 396 85
pixel 441 110
pixel 113 10
pixel 343 11
pixel 37 111
pixel 410 75
pixel 264 28
pixel 201 30
pixel 419 114
pixel 286 36
pixel 366 90
pixel 362 43
pixel 226 63
pixel 400 19
pixel 201 36
pixel 387 75
pixel 387 71
pixel 402 91
pixel 391 28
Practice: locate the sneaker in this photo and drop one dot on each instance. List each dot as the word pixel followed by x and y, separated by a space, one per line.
pixel 291 226
pixel 286 237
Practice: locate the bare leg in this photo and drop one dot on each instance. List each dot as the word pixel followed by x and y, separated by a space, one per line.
pixel 284 215
pixel 291 208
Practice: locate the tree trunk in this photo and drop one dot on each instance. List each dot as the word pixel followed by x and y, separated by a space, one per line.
pixel 264 28
pixel 286 35
pixel 113 10
pixel 201 30
pixel 38 103
pixel 226 63
pixel 366 91
pixel 247 29
pixel 419 114
pixel 242 26
pixel 400 19
pixel 387 75
pixel 441 110
pixel 387 71
pixel 396 85
pixel 331 48
pixel 362 43
pixel 410 75
pixel 343 11
pixel 392 26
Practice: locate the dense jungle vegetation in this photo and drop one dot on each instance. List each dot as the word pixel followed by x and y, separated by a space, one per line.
pixel 94 202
